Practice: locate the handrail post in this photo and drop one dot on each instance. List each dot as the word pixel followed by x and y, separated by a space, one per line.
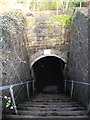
pixel 13 99
pixel 72 84
pixel 33 86
pixel 65 86
pixel 27 86
pixel 88 111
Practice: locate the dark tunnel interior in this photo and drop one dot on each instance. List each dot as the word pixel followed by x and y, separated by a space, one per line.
pixel 48 75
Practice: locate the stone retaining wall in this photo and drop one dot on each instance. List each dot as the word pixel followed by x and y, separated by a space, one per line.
pixel 43 34
pixel 78 57
pixel 15 61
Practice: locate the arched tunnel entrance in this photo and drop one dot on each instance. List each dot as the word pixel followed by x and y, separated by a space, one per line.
pixel 48 75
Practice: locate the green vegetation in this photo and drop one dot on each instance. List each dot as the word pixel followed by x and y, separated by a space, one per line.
pixel 50 5
pixel 45 4
pixel 30 21
pixel 24 2
pixel 69 11
pixel 49 27
pixel 64 20
pixel 8 102
pixel 76 4
pixel 57 5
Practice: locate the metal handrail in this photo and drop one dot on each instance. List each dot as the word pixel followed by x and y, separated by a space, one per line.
pixel 13 85
pixel 72 84
pixel 10 87
pixel 72 87
pixel 84 83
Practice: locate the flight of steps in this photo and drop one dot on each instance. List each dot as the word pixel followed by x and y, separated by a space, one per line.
pixel 49 106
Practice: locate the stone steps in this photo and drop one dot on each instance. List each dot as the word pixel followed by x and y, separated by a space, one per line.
pixel 49 103
pixel 51 113
pixel 49 106
pixel 30 117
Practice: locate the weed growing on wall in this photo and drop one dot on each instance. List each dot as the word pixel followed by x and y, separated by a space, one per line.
pixel 64 20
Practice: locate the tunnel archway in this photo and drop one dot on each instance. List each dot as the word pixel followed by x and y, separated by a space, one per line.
pixel 48 72
pixel 47 52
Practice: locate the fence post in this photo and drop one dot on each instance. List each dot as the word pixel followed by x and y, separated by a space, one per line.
pixel 80 4
pixel 65 86
pixel 27 86
pixel 72 84
pixel 13 99
pixel 33 86
pixel 88 111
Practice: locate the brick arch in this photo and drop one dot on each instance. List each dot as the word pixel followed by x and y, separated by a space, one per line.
pixel 47 52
